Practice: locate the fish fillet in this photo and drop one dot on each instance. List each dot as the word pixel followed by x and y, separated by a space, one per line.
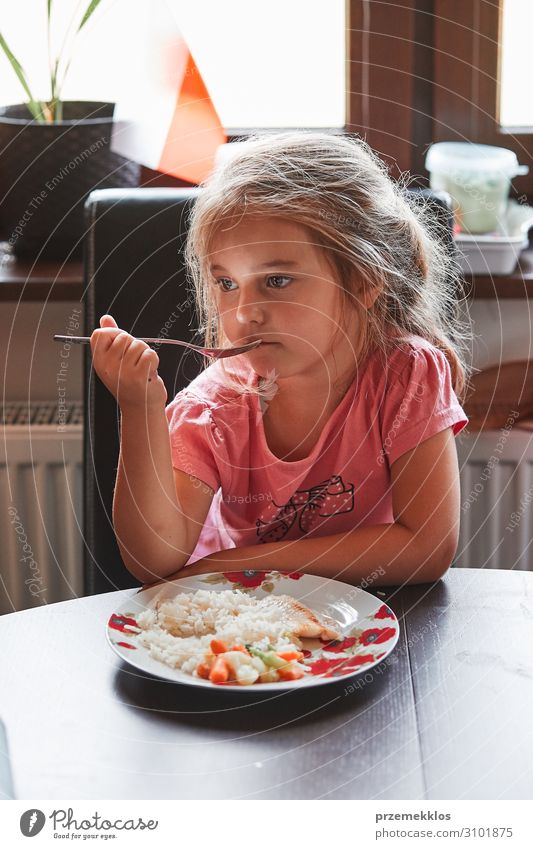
pixel 300 620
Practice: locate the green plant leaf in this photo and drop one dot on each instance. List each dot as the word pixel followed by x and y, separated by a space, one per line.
pixel 59 85
pixel 53 82
pixel 33 105
pixel 90 9
pixel 49 8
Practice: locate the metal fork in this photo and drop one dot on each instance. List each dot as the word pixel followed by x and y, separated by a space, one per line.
pixel 217 353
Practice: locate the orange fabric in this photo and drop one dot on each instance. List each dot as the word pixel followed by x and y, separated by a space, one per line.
pixel 195 130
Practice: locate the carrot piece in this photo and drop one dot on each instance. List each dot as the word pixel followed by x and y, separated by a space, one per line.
pixel 218 646
pixel 240 648
pixel 203 670
pixel 219 673
pixel 290 673
pixel 290 655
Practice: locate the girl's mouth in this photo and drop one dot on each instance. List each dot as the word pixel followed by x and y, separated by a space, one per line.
pixel 258 339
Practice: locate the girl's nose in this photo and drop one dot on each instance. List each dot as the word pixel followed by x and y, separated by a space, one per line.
pixel 250 310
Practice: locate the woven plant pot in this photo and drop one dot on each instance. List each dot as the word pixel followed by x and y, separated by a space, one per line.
pixel 47 171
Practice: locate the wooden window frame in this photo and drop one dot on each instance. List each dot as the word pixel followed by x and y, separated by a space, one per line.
pixel 418 72
pixel 389 98
pixel 467 81
pixel 389 81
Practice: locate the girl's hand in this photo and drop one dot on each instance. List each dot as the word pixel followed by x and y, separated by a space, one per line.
pixel 127 367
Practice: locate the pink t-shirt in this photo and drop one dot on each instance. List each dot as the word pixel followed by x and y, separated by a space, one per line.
pixel 217 436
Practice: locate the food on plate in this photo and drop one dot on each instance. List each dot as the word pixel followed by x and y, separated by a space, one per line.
pixel 248 665
pixel 230 637
pixel 306 623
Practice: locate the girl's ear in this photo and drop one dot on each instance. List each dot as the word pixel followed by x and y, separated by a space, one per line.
pixel 368 295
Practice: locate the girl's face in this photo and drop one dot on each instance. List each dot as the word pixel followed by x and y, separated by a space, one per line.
pixel 271 282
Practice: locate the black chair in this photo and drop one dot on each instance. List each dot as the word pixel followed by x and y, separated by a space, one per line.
pixel 133 269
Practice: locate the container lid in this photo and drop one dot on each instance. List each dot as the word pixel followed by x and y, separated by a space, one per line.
pixel 478 158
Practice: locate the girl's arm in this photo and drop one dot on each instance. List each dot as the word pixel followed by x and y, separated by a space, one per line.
pixel 158 511
pixel 418 547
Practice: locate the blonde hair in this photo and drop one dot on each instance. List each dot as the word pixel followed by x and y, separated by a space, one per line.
pixel 377 236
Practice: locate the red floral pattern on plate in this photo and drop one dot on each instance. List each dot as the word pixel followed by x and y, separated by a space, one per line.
pixel 384 612
pixel 121 623
pixel 376 635
pixel 248 578
pixel 343 665
pixel 339 645
pixel 251 579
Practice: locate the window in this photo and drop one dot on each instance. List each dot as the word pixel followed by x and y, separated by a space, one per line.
pixel 402 74
pixel 481 79
pixel 429 71
pixel 275 64
pixel 516 108
pixel 266 65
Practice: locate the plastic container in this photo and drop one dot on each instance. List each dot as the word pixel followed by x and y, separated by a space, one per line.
pixel 496 252
pixel 478 178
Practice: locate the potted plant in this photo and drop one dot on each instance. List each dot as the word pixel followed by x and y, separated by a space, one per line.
pixel 52 154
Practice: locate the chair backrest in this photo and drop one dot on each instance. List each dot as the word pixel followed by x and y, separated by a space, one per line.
pixel 134 270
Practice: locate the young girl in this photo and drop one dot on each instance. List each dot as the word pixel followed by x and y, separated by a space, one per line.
pixel 330 447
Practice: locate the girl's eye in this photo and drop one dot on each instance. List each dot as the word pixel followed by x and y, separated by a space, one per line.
pixel 276 281
pixel 222 283
pixel 277 278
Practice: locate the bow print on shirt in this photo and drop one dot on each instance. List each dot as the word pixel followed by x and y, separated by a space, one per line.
pixel 328 498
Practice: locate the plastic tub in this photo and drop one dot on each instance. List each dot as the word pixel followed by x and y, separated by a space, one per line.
pixel 478 178
pixel 496 252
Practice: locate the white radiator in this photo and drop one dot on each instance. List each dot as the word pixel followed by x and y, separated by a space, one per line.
pixel 41 487
pixel 40 505
pixel 496 499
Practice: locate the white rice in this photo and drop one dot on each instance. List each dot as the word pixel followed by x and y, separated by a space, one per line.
pixel 178 632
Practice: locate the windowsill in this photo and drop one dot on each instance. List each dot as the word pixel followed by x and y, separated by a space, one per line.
pixel 234 133
pixel 40 280
pixel 47 280
pixel 518 284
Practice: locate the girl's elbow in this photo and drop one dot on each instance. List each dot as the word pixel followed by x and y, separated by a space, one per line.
pixel 432 560
pixel 442 559
pixel 428 573
pixel 439 573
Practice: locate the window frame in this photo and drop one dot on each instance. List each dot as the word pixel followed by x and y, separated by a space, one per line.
pixel 466 81
pixel 441 62
pixel 368 103
pixel 386 52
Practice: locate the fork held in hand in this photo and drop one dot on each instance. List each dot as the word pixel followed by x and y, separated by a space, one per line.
pixel 217 353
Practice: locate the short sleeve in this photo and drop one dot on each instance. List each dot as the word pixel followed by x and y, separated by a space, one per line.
pixel 194 438
pixel 419 401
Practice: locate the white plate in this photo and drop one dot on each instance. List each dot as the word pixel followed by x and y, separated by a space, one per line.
pixel 369 627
